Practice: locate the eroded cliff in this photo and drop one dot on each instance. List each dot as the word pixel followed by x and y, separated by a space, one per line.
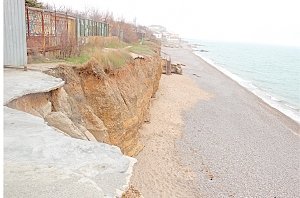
pixel 98 104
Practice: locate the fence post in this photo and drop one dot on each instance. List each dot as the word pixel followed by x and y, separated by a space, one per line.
pixel 43 33
pixel 67 37
pixel 55 23
pixel 107 30
pixel 55 32
pixel 67 23
pixel 28 26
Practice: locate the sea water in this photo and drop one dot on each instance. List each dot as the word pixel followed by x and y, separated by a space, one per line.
pixel 270 72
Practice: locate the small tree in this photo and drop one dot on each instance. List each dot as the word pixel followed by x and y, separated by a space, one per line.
pixel 33 3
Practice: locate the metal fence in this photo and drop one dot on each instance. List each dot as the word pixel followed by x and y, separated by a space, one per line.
pixel 51 31
pixel 86 27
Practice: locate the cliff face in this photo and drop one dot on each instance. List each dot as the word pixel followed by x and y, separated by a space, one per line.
pixel 99 105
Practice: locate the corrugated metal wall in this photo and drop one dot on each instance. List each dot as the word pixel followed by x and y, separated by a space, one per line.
pixel 15 50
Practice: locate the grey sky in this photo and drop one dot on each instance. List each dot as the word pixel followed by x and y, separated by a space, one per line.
pixel 261 21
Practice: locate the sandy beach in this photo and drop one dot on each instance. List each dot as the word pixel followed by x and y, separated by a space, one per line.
pixel 159 171
pixel 210 137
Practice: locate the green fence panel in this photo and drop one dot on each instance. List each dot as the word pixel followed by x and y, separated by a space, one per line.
pixel 87 27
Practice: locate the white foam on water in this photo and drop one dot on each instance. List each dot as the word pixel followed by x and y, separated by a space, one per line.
pixel 275 99
pixel 270 99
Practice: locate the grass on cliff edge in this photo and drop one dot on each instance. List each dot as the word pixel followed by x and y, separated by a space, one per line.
pixel 111 52
pixel 97 42
pixel 78 60
pixel 147 48
pixel 94 49
pixel 112 59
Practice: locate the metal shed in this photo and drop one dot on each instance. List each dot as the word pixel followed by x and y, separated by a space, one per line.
pixel 15 50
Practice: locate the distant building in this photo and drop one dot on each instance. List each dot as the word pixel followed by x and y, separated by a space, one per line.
pixel 173 37
pixel 167 38
pixel 157 28
pixel 159 31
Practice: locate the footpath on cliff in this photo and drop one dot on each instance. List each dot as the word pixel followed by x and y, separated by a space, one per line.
pixel 210 137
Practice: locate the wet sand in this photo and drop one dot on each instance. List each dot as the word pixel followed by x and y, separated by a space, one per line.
pixel 222 141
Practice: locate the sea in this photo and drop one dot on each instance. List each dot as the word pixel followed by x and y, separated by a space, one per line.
pixel 270 72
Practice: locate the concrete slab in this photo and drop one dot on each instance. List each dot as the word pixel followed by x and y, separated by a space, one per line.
pixel 40 162
pixel 18 83
pixel 44 66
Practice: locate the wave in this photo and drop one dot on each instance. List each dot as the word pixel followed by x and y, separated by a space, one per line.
pixel 274 101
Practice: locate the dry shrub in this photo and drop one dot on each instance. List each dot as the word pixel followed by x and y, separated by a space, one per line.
pixel 104 42
pixel 98 47
pixel 112 59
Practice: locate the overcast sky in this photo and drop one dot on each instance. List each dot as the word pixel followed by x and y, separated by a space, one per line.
pixel 259 21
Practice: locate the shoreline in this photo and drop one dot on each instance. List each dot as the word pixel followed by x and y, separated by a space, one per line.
pixel 293 123
pixel 202 152
pixel 257 91
pixel 236 135
pixel 286 108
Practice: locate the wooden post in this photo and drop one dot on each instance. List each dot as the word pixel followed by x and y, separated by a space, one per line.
pixel 168 66
pixel 66 36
